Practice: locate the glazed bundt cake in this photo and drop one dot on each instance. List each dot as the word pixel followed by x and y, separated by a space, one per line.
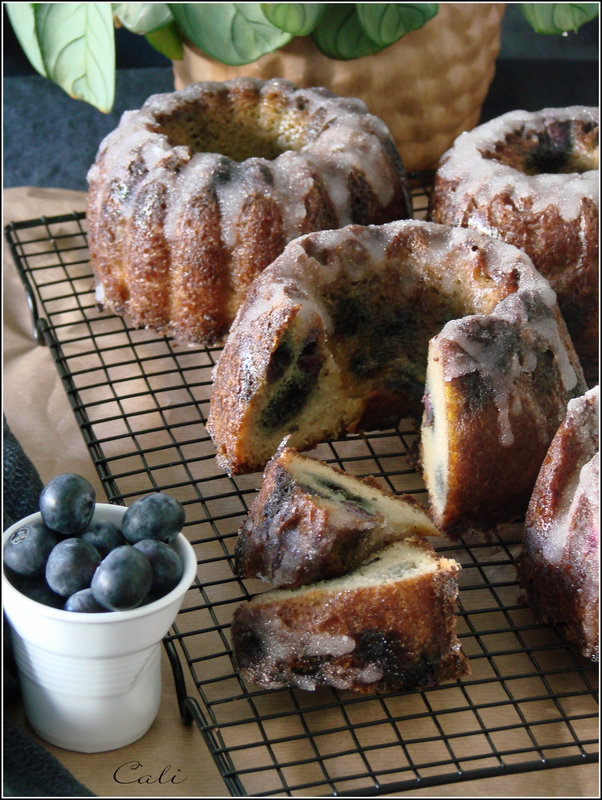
pixel 559 565
pixel 192 195
pixel 532 179
pixel 388 626
pixel 333 338
pixel 312 521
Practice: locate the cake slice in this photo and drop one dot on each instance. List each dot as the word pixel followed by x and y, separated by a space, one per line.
pixel 312 521
pixel 387 626
pixel 494 398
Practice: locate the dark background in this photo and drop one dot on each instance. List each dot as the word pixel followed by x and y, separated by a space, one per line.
pixel 50 140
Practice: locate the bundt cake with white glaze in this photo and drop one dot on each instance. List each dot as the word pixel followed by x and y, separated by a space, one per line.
pixel 389 625
pixel 311 521
pixel 559 566
pixel 193 194
pixel 333 338
pixel 532 179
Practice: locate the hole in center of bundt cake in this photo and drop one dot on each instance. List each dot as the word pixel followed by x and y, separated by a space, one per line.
pixel 239 134
pixel 560 147
pixel 385 341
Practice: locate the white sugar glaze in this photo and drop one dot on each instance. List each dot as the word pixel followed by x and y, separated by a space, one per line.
pixel 348 138
pixel 326 636
pixel 486 356
pixel 584 484
pixel 483 179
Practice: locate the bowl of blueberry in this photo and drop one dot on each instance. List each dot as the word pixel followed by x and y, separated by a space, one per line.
pixel 90 590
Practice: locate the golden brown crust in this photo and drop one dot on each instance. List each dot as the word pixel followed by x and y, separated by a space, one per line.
pixel 146 253
pixel 235 388
pixel 199 294
pixel 154 186
pixel 396 635
pixel 567 254
pixel 262 239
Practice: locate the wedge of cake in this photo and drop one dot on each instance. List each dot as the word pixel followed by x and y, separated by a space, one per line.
pixel 494 397
pixel 312 521
pixel 389 625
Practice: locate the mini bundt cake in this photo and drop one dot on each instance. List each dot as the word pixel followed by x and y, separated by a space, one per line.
pixel 333 338
pixel 388 626
pixel 559 565
pixel 312 521
pixel 193 194
pixel 532 179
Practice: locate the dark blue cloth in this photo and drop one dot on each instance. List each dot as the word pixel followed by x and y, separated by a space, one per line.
pixel 29 769
pixel 51 140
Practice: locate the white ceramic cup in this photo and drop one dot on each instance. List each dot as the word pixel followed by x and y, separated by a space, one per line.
pixel 92 681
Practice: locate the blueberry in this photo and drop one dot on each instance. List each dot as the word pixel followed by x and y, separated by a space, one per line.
pixel 28 548
pixel 71 565
pixel 155 516
pixel 37 589
pixel 83 601
pixel 67 504
pixel 104 535
pixel 123 579
pixel 167 565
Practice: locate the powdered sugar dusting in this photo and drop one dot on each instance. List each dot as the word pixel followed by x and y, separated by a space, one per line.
pixel 586 483
pixel 589 479
pixel 577 405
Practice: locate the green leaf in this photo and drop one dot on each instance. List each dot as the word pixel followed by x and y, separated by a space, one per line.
pixel 142 17
pixel 297 18
pixel 233 33
pixel 385 23
pixel 339 33
pixel 22 20
pixel 167 41
pixel 558 18
pixel 78 47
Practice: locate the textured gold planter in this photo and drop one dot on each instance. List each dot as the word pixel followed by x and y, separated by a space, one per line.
pixel 428 87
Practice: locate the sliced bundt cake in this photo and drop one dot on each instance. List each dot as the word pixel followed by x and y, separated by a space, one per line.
pixel 334 338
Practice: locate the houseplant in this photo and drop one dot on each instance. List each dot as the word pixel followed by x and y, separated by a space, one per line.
pixel 424 68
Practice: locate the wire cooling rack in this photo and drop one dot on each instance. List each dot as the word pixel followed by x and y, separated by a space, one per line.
pixel 141 402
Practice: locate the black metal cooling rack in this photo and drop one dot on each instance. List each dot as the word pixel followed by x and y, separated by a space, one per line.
pixel 141 401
